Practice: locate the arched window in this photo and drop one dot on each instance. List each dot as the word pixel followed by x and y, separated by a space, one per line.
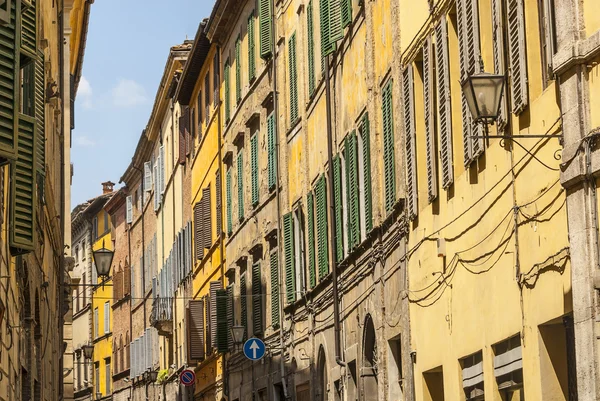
pixel 127 345
pixel 321 391
pixel 370 361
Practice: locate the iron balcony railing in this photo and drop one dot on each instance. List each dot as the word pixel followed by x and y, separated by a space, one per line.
pixel 162 311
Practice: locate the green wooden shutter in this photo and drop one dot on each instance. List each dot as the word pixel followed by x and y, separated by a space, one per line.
pixel 222 322
pixel 293 79
pixel 272 159
pixel 22 233
pixel 254 168
pixel 240 185
pixel 339 209
pixel 346 12
pixel 352 188
pixel 408 102
pixel 327 46
pixel 266 38
pixel 228 195
pixel 244 303
pixel 290 269
pixel 311 48
pixel 275 319
pixel 227 92
pixel 238 70
pixel 366 142
pixel 336 31
pixel 219 205
pixel 251 48
pixel 40 115
pixel 322 240
pixel 257 319
pixel 310 206
pixel 29 29
pixel 9 87
pixel 389 170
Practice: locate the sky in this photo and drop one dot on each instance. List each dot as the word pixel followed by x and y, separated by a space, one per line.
pixel 127 48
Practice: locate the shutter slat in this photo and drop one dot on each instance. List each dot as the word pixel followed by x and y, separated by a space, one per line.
pixel 290 269
pixel 257 318
pixel 40 113
pixel 388 148
pixel 443 102
pixel 273 261
pixel 8 84
pixel 410 132
pixel 346 12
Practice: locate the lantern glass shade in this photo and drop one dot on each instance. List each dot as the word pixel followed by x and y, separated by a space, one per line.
pixel 88 351
pixel 152 375
pixel 237 333
pixel 103 259
pixel 483 92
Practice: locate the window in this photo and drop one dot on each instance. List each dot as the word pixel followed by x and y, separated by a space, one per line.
pixel 299 252
pixel 97 376
pixel 338 202
pixel 271 151
pixel 395 369
pixel 310 209
pixel 83 250
pixel 434 384
pixel 266 40
pixel 76 254
pixel 508 369
pixel 472 376
pixel 389 164
pixel 443 103
pixel 240 184
pixel 257 300
pixel 27 106
pixel 136 200
pixel 228 200
pixel 321 226
pixel 108 375
pixel 227 90
pixel 311 48
pixel 411 146
pixel 106 223
pixel 96 328
pixel 84 291
pixel 364 178
pixel 199 107
pixel 206 98
pixel 106 317
pixel 244 300
pixel 251 48
pixel 254 168
pixel 79 362
pixel 547 38
pixel 216 81
pixel 293 79
pixel 238 70
pixel 290 260
pixel 95 228
pixel 274 265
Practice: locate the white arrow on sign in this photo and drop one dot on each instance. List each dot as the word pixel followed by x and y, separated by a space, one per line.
pixel 254 346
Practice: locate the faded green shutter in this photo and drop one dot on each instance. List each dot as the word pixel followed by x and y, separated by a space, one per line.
pixel 290 269
pixel 9 87
pixel 322 240
pixel 243 303
pixel 337 201
pixel 310 206
pixel 240 182
pixel 222 323
pixel 251 48
pixel 230 316
pixel 228 195
pixel 29 29
pixel 219 197
pixel 254 168
pixel 366 141
pixel 238 70
pixel 265 15
pixel 336 31
pixel 352 187
pixel 227 95
pixel 327 47
pixel 346 12
pixel 257 319
pixel 40 133
pixel 272 162
pixel 311 48
pixel 22 233
pixel 274 289
pixel 388 148
pixel 293 79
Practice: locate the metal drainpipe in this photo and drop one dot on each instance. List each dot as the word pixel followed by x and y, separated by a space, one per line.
pixel 331 226
pixel 278 196
pixel 590 184
pixel 143 244
pixel 173 208
pixel 60 28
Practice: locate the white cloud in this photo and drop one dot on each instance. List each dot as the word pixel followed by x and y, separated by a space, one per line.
pixel 128 93
pixel 84 141
pixel 84 91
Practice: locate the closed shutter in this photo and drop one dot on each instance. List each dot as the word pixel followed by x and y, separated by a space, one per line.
pixel 29 29
pixel 517 55
pixel 40 114
pixel 254 168
pixel 336 31
pixel 346 12
pixel 366 154
pixel 499 58
pixel 444 107
pixel 228 195
pixel 240 185
pixel 198 230
pixel 243 302
pixel 266 38
pixel 293 79
pixel 106 317
pixel 257 318
pixel 199 107
pixel 312 271
pixel 428 99
pixel 311 48
pixel 238 70
pixel 251 48
pixel 156 195
pixel 389 164
pixel 147 177
pixel 288 247
pixel 8 87
pixel 227 92
pixel 129 211
pixel 352 188
pixel 271 150
pixel 339 209
pixel 182 135
pixel 230 315
pixel 219 209
pixel 322 240
pixel 216 80
pixel 23 194
pixel 273 261
pixel 207 217
pixel 214 287
pixel 209 325
pixel 411 138
pixel 326 46
pixel 162 168
pixel 221 331
pixel 195 329
pixel 207 98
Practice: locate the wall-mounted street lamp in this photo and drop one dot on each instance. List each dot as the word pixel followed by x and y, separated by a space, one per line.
pixel 150 377
pixel 88 351
pixel 103 260
pixel 483 92
pixel 237 334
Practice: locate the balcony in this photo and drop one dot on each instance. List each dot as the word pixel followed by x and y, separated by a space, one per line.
pixel 161 317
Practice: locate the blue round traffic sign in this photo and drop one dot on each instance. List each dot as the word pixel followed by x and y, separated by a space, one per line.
pixel 187 377
pixel 254 349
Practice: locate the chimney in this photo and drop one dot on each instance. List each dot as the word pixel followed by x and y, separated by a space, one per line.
pixel 107 187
